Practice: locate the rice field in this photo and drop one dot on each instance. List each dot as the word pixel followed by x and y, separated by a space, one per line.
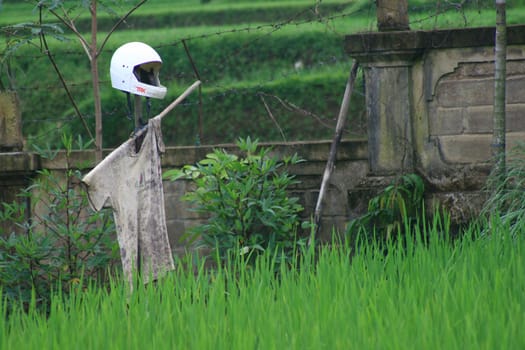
pixel 466 294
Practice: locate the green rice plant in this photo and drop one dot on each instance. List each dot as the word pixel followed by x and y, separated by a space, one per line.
pixel 245 201
pixel 466 294
pixel 505 196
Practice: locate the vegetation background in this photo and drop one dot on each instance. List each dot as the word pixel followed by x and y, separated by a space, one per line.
pixel 272 70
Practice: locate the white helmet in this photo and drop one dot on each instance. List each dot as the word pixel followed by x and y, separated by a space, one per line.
pixel 135 68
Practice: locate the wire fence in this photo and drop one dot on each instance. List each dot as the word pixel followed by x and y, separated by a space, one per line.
pixel 257 96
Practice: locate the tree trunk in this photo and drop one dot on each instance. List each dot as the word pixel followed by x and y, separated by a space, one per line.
pixel 96 86
pixel 500 74
pixel 392 15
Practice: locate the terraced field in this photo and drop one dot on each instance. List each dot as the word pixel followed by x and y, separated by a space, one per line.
pixel 274 70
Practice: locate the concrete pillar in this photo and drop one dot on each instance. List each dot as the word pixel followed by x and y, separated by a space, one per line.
pixel 387 59
pixel 388 96
pixel 16 167
pixel 10 123
pixel 389 110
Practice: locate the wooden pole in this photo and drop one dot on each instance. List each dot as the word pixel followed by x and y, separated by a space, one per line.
pixel 333 148
pixel 93 58
pixel 178 100
pixel 137 110
pixel 500 75
pixel 392 15
pixel 171 105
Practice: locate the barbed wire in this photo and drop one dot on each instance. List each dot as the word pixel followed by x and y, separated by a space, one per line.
pixel 445 7
pixel 250 28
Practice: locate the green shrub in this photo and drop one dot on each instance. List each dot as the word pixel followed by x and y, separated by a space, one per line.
pixel 245 199
pixel 61 245
pixel 397 207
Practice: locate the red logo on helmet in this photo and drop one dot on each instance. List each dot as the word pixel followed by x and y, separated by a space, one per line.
pixel 141 89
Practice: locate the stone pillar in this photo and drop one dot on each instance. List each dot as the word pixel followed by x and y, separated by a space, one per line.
pixel 418 110
pixel 389 117
pixel 10 123
pixel 387 59
pixel 388 96
pixel 388 78
pixel 16 166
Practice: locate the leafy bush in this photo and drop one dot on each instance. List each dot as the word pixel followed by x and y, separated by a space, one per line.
pixel 61 246
pixel 245 199
pixel 399 205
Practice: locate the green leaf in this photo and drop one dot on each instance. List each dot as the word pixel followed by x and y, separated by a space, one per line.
pixel 174 174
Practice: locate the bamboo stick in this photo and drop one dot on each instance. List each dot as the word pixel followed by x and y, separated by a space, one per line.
pixel 343 111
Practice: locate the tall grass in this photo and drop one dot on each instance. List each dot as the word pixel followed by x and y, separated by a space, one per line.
pixel 467 294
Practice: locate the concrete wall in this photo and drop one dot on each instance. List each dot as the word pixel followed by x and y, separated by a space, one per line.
pixel 429 102
pixel 10 123
pixel 352 166
pixel 14 164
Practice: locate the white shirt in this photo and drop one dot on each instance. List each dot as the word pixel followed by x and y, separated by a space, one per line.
pixel 130 182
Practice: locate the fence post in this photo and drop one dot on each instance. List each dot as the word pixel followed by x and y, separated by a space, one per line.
pixel 392 15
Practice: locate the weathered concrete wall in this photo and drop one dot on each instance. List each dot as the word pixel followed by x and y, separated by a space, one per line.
pixel 429 102
pixel 16 170
pixel 10 123
pixel 459 105
pixel 351 167
pixel 15 166
pixel 11 143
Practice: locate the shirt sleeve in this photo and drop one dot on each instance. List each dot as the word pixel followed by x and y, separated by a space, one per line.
pixel 97 186
pixel 101 182
pixel 155 127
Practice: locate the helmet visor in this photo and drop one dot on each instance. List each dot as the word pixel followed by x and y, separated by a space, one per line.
pixel 148 73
